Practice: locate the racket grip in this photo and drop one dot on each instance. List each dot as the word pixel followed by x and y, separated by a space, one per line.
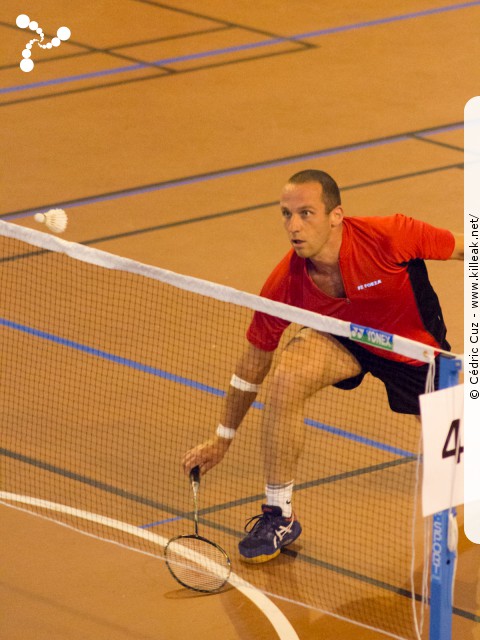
pixel 195 474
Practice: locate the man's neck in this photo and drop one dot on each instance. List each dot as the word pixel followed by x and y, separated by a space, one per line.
pixel 327 261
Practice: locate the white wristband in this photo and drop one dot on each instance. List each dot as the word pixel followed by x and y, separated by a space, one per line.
pixel 244 385
pixel 225 432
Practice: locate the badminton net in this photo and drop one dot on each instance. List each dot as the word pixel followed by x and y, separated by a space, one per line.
pixel 112 370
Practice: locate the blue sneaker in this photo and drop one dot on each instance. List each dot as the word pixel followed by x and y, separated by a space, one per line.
pixel 268 535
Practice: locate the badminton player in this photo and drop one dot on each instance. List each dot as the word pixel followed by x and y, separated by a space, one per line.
pixel 369 271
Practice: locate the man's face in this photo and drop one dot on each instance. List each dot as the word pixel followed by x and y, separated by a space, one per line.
pixel 308 225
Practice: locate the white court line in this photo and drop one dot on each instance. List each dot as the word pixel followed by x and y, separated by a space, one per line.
pixel 277 619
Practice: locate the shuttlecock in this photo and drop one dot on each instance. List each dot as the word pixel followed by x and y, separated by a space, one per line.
pixel 55 220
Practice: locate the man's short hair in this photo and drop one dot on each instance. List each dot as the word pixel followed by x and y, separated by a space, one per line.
pixel 331 192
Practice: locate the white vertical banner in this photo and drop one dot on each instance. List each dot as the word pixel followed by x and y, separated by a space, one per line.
pixel 443 449
pixel 472 319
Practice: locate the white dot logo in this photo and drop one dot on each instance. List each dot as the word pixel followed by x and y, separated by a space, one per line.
pixel 24 22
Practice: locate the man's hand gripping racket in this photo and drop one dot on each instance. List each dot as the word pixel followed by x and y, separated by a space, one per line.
pixel 206 455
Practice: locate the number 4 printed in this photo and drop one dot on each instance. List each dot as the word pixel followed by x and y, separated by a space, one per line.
pixel 453 433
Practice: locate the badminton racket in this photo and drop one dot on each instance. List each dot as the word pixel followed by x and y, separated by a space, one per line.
pixel 194 561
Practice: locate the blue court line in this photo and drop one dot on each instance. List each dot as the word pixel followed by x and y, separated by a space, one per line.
pixel 310 484
pixel 192 384
pixel 138 366
pixel 233 171
pixel 360 439
pixel 159 522
pixel 226 173
pixel 438 130
pixel 244 47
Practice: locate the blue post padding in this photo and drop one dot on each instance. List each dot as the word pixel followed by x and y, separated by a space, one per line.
pixel 443 560
pixel 449 370
pixel 441 581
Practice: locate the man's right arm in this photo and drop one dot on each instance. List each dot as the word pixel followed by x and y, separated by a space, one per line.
pixel 250 372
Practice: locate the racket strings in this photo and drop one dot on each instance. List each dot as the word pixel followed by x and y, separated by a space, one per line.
pixel 197 563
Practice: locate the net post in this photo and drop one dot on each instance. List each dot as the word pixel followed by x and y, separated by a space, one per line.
pixel 443 559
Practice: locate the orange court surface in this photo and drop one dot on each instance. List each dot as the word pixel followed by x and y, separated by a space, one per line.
pixel 166 130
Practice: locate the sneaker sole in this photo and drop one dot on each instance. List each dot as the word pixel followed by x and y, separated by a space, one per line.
pixel 265 557
pixel 259 559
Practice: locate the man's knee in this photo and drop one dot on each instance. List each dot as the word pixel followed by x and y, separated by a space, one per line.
pixel 287 386
pixel 312 361
pixel 293 381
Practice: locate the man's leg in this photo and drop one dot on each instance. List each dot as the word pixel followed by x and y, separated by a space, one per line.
pixel 310 362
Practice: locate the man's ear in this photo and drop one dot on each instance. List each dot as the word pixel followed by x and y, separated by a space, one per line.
pixel 336 216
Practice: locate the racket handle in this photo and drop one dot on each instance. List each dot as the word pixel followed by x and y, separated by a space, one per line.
pixel 195 475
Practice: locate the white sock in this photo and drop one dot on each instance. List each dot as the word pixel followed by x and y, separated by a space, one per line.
pixel 280 495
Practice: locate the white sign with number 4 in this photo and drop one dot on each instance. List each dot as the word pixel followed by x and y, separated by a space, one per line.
pixel 442 429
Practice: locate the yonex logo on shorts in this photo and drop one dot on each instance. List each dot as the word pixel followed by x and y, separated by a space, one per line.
pixel 372 337
pixel 24 22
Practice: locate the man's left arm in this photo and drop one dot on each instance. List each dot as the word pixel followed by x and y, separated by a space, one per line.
pixel 458 248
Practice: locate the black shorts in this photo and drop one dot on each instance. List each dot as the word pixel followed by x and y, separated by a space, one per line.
pixel 403 382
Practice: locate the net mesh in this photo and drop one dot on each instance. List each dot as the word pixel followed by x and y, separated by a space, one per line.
pixel 110 374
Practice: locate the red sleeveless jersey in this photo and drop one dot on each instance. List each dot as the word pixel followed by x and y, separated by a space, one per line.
pixel 385 280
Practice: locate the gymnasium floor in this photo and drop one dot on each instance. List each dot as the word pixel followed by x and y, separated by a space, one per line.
pixel 167 131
